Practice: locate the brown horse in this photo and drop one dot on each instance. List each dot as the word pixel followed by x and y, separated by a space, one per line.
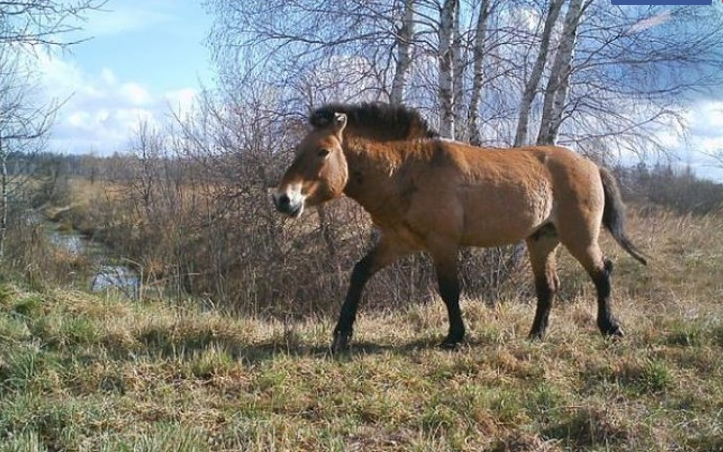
pixel 429 194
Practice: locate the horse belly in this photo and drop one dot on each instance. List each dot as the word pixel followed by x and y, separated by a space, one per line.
pixel 503 217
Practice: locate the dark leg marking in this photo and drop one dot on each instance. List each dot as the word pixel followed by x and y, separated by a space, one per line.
pixel 545 296
pixel 345 326
pixel 383 254
pixel 449 291
pixel 542 246
pixel 607 323
pixel 445 265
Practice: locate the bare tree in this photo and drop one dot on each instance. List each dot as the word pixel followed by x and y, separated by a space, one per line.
pixel 715 157
pixel 447 15
pixel 532 83
pixel 460 57
pixel 26 26
pixel 200 191
pixel 404 38
pixel 43 22
pixel 326 44
pixel 558 83
pixel 634 71
pixel 478 54
pixel 23 127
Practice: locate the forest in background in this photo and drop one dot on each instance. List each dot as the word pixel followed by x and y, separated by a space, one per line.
pixel 193 230
pixel 187 200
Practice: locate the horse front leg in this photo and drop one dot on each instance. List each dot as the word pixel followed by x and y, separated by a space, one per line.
pixel 383 254
pixel 449 289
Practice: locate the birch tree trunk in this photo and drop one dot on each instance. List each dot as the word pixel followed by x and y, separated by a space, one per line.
pixel 446 68
pixel 528 95
pixel 404 38
pixel 3 199
pixel 458 79
pixel 478 53
pixel 559 82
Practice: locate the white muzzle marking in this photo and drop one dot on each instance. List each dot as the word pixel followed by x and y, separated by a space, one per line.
pixel 290 201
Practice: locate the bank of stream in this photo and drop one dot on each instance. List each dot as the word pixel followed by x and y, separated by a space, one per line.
pixel 108 271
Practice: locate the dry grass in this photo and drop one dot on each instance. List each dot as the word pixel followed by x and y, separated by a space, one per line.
pixel 78 372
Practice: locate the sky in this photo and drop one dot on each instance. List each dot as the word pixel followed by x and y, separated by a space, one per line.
pixel 141 59
pixel 144 58
pixel 703 135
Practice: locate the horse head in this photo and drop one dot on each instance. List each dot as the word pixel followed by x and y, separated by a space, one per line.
pixel 319 171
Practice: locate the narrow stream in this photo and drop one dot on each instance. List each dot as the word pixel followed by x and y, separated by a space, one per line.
pixel 107 273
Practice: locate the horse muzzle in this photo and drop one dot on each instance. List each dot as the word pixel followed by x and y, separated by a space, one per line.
pixel 289 203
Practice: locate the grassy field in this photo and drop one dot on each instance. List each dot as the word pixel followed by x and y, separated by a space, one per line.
pixel 85 372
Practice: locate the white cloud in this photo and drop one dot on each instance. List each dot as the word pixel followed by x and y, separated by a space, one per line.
pixel 135 93
pixel 650 22
pixel 181 101
pixel 102 111
pixel 703 135
pixel 108 76
pixel 58 76
pixel 78 119
pixel 706 119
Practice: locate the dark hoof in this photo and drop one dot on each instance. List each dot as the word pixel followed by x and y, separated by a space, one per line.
pixel 611 329
pixel 450 343
pixel 340 343
pixel 615 332
pixel 451 346
pixel 538 330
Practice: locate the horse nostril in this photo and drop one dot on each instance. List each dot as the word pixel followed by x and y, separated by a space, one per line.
pixel 284 200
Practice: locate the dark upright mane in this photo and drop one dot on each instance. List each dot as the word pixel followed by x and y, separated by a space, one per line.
pixel 376 120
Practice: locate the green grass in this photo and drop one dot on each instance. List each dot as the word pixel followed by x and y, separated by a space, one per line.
pixel 81 372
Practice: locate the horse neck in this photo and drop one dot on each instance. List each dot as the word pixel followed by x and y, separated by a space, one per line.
pixel 372 170
pixel 376 132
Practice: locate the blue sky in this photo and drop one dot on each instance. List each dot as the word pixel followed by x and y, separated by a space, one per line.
pixel 159 42
pixel 143 59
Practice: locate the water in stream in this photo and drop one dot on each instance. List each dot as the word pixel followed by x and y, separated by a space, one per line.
pixel 107 274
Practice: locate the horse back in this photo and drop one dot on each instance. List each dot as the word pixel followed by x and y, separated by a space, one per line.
pixel 491 197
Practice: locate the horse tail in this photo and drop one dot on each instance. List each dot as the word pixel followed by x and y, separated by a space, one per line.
pixel 614 215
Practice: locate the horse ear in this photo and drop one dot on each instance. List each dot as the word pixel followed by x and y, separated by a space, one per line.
pixel 321 118
pixel 339 122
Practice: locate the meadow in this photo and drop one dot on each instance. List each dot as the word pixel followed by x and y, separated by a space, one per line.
pixel 83 371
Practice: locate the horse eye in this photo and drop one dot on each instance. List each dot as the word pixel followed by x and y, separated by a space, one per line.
pixel 324 152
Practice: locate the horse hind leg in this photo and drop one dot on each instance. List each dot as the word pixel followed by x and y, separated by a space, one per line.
pixel 542 247
pixel 601 276
pixel 600 269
